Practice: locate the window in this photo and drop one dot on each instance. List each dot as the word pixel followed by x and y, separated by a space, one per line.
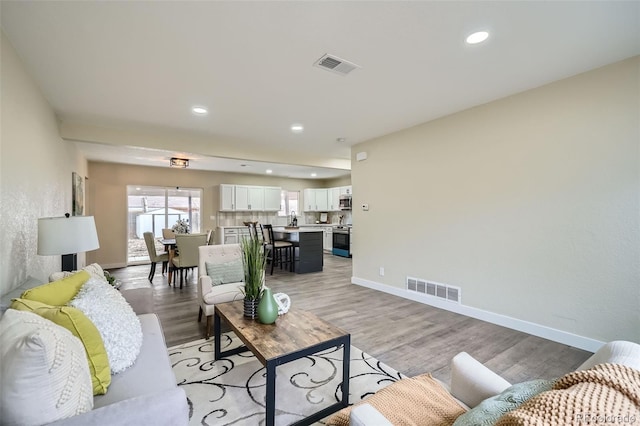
pixel 150 209
pixel 289 201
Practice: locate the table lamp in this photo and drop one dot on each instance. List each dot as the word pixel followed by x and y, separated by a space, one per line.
pixel 67 235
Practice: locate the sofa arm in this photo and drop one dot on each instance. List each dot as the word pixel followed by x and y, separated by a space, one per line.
pixel 472 382
pixel 616 352
pixel 366 414
pixel 140 299
pixel 162 408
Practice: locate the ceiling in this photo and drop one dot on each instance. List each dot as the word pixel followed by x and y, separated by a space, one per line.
pixel 123 76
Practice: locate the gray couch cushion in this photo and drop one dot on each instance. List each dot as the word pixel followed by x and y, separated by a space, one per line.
pixel 151 372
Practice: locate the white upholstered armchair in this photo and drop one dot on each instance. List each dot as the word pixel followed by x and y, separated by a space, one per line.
pixel 223 262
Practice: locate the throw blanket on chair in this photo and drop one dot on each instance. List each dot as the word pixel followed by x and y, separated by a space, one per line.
pixel 604 394
pixel 419 400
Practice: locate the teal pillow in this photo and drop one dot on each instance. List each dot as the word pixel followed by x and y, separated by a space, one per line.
pixel 225 273
pixel 491 409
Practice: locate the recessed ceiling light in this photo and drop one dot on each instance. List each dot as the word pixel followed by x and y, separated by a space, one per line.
pixel 340 139
pixel 269 171
pixel 297 128
pixel 198 110
pixel 314 174
pixel 477 37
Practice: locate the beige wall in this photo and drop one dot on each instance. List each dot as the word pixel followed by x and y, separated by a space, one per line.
pixel 108 185
pixel 35 173
pixel 530 204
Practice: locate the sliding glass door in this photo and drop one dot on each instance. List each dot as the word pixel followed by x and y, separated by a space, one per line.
pixel 151 209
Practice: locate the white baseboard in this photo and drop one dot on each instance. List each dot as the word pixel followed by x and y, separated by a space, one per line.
pixel 545 332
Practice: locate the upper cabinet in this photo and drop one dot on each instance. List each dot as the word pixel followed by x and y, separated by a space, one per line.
pixel 227 198
pixel 324 199
pixel 249 198
pixel 334 199
pixel 272 198
pixel 315 200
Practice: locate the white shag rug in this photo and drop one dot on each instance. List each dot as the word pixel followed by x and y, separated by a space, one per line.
pixel 231 391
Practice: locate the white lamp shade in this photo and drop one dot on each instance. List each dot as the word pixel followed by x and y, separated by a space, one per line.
pixel 66 235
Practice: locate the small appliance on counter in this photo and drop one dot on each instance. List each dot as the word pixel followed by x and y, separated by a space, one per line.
pixel 323 218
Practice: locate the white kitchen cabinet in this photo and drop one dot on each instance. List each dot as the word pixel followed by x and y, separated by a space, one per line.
pixel 249 198
pixel 256 198
pixel 345 190
pixel 272 199
pixel 334 199
pixel 315 200
pixel 227 235
pixel 328 238
pixel 322 200
pixel 242 198
pixel 309 199
pixel 227 198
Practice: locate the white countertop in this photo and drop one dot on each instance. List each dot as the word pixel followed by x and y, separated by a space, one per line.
pixel 303 228
pixel 310 225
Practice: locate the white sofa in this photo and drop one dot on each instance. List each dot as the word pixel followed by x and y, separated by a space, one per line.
pixel 146 392
pixel 472 382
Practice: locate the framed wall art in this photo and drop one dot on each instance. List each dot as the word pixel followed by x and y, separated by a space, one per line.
pixel 77 194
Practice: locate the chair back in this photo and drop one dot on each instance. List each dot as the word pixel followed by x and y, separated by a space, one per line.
pixel 168 234
pixel 151 245
pixel 217 253
pixel 253 230
pixel 188 248
pixel 267 233
pixel 212 238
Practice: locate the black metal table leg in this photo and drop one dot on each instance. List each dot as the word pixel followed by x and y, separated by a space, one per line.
pixel 346 364
pixel 271 393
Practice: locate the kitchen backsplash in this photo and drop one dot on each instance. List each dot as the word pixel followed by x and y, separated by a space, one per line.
pixel 237 218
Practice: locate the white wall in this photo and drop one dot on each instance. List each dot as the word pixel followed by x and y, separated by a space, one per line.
pixel 35 173
pixel 530 204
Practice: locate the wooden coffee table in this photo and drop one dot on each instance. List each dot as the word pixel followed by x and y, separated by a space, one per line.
pixel 294 335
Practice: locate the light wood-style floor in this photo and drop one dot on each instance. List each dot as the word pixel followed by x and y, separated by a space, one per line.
pixel 409 336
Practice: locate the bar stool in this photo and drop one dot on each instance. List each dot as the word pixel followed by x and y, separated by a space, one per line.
pixel 277 251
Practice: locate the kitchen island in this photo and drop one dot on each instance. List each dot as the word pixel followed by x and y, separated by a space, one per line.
pixel 307 243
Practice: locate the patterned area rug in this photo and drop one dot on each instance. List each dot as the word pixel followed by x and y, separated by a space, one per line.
pixel 231 391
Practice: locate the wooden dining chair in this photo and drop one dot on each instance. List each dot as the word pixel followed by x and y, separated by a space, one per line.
pixel 277 251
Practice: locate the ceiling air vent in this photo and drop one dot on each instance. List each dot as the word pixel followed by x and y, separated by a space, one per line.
pixel 335 64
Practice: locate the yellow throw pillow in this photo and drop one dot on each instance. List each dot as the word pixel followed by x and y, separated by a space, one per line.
pixel 59 292
pixel 80 326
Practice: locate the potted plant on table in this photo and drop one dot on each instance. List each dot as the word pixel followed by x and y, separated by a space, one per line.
pixel 253 262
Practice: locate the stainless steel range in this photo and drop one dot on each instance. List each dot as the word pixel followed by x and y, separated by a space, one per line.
pixel 342 241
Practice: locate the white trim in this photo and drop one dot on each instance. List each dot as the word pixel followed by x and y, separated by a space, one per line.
pixel 114 265
pixel 543 331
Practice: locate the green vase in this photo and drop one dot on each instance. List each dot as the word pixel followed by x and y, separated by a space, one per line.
pixel 267 308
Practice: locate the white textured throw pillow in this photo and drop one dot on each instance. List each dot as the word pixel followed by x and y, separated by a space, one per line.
pixel 95 270
pixel 115 320
pixel 44 375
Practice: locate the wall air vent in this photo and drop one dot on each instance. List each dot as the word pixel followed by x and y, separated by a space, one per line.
pixel 431 289
pixel 335 64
